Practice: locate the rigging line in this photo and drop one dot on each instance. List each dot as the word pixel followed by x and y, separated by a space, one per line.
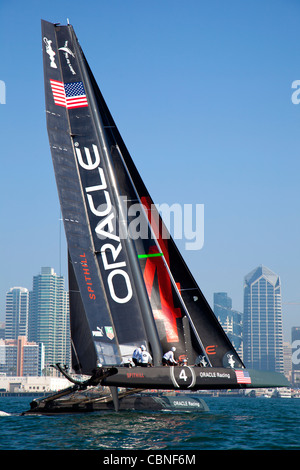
pixel 165 264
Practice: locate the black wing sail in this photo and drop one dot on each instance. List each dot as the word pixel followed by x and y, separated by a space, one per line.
pixel 124 290
pixel 99 255
pixel 183 317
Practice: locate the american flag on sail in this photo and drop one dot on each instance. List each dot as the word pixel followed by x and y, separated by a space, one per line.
pixel 242 377
pixel 68 95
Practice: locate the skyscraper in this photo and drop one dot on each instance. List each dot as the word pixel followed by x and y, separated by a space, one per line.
pixel 262 322
pixel 21 357
pixel 48 316
pixel 16 315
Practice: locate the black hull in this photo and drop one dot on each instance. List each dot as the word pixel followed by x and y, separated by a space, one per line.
pixel 137 402
pixel 193 378
pixel 76 400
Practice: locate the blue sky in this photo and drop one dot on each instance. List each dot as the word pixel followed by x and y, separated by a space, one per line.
pixel 201 92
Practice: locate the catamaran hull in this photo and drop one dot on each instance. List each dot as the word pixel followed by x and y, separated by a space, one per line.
pixel 164 378
pixel 136 402
pixel 193 378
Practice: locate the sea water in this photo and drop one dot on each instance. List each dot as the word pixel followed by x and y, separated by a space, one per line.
pixel 232 423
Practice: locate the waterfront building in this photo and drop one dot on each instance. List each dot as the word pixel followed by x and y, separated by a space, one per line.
pixel 15 384
pixel 31 358
pixel 49 317
pixel 231 320
pixel 287 360
pixel 16 313
pixel 262 322
pixel 21 358
pixel 8 356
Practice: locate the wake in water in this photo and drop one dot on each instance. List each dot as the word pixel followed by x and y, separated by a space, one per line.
pixel 2 413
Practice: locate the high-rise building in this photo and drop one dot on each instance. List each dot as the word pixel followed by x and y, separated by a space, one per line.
pixel 16 315
pixel 49 318
pixel 287 360
pixel 21 358
pixel 231 320
pixel 262 322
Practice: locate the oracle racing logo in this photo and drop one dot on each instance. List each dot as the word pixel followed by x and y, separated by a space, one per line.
pixel 105 229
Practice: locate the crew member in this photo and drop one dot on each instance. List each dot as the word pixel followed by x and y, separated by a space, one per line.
pixel 168 358
pixel 136 356
pixel 146 358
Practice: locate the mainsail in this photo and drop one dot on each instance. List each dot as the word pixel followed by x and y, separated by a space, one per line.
pixel 125 290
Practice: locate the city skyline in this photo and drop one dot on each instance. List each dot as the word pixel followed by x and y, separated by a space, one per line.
pixel 256 334
pixel 37 322
pixel 225 303
pixel 226 134
pixel 261 284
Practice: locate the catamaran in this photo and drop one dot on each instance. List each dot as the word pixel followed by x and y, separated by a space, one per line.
pixel 124 290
